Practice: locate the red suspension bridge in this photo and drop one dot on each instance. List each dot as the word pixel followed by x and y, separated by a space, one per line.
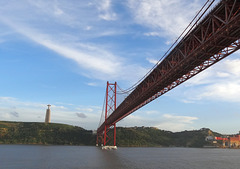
pixel 209 38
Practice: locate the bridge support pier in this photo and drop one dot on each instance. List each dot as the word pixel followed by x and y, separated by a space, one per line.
pixel 109 147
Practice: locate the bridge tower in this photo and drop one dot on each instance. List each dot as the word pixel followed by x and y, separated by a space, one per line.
pixel 108 136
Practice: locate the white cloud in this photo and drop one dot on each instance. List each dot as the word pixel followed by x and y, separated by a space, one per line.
pixel 7 99
pixel 151 112
pixel 88 28
pixel 92 84
pixel 61 103
pixel 176 123
pixel 167 122
pixel 11 105
pixel 96 61
pixel 5 116
pixel 218 83
pixel 58 11
pixel 58 107
pixel 35 112
pixel 187 101
pixel 152 61
pixel 153 34
pixel 103 63
pixel 228 91
pixel 181 119
pixel 226 69
pixel 135 120
pixel 51 12
pixel 164 18
pixel 90 109
pixel 106 12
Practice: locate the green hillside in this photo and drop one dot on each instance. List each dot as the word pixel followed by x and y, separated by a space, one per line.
pixel 149 136
pixel 143 136
pixel 41 133
pixel 62 134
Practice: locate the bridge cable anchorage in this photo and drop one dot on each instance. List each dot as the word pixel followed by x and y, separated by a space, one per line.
pixel 128 90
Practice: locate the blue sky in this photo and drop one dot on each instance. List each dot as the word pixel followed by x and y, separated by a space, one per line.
pixel 63 52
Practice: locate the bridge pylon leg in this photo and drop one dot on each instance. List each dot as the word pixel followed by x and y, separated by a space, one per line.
pixel 114 135
pixel 109 133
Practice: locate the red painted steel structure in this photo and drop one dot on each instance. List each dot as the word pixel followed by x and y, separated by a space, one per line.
pixel 215 37
pixel 111 99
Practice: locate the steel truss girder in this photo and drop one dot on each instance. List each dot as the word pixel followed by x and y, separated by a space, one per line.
pixel 213 39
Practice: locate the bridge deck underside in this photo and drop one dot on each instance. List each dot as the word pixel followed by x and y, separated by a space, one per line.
pixel 214 38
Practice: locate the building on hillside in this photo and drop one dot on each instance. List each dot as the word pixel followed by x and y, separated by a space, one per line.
pixel 48 114
pixel 226 141
pixel 232 142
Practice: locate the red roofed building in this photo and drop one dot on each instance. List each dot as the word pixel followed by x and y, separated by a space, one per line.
pixel 234 141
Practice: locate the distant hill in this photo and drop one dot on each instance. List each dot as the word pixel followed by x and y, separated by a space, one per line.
pixel 149 136
pixel 41 133
pixel 62 134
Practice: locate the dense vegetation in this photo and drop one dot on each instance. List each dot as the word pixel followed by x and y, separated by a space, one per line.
pixel 61 134
pixel 149 136
pixel 41 133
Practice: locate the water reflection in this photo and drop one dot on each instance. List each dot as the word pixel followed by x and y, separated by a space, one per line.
pixel 111 159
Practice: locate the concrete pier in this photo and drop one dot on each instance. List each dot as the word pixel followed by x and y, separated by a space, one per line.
pixel 109 147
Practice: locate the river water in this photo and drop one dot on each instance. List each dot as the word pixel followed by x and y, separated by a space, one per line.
pixel 84 157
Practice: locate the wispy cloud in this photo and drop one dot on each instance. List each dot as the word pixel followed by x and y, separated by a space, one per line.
pixel 218 83
pixel 169 122
pixel 14 104
pixel 104 63
pixel 70 30
pixel 181 119
pixel 152 61
pixel 176 123
pixel 164 18
pixel 35 112
pixel 88 109
pixel 95 61
pixel 153 34
pixel 106 12
pixel 159 15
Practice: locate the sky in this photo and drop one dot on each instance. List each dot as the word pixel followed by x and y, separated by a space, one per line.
pixel 63 52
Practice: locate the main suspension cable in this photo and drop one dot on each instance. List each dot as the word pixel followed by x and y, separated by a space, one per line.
pixel 102 115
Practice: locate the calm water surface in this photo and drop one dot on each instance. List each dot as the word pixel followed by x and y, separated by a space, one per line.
pixel 81 157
